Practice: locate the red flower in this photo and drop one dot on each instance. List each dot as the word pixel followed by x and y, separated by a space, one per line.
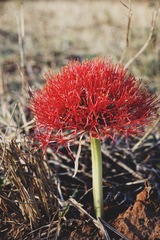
pixel 95 97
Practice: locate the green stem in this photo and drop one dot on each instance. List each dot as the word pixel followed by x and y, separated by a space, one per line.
pixel 97 176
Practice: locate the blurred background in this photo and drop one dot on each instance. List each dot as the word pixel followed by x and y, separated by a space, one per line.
pixel 39 35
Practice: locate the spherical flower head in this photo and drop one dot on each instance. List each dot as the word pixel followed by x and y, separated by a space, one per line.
pixel 95 97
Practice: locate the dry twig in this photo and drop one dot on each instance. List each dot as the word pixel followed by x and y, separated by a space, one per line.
pixel 128 29
pixel 149 39
pixel 145 135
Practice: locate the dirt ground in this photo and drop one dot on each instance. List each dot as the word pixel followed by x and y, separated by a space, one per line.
pixel 39 198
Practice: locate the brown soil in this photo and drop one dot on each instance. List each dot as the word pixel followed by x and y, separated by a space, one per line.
pixel 142 220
